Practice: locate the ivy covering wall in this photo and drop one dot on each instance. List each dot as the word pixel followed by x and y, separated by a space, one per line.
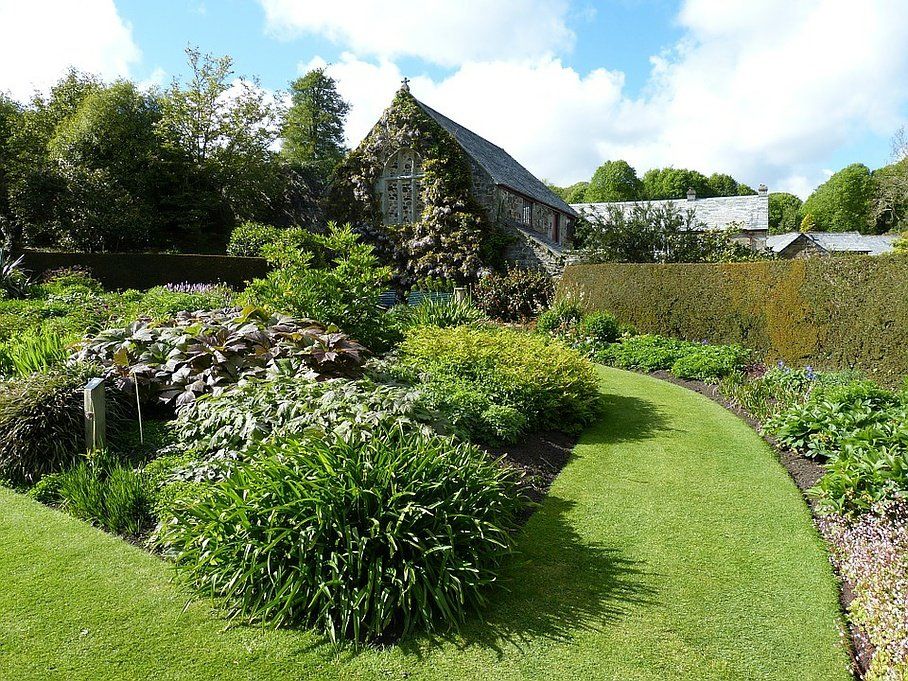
pixel 452 239
pixel 849 312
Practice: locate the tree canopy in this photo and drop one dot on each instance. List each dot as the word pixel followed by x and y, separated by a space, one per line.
pixel 843 202
pixel 613 181
pixel 784 213
pixel 673 183
pixel 313 130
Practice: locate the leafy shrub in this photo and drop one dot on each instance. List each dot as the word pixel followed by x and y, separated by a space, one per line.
pixel 514 296
pixel 645 352
pixel 601 327
pixel 42 424
pixel 819 426
pixel 563 316
pixel 66 279
pixel 107 494
pixel 225 426
pixel 708 362
pixel 684 359
pixel 250 238
pixel 254 239
pixel 163 302
pixel 345 294
pixel 551 385
pixel 361 540
pixel 208 351
pixel 47 489
pixel 441 312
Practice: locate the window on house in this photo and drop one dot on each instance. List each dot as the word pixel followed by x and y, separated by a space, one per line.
pixel 528 213
pixel 401 188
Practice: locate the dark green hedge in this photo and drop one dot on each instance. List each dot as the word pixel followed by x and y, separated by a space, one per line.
pixel 829 312
pixel 144 270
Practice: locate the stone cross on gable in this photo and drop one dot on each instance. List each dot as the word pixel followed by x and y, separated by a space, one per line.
pixel 405 84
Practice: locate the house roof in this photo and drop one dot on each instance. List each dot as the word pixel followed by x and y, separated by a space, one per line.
pixel 499 164
pixel 836 242
pixel 752 212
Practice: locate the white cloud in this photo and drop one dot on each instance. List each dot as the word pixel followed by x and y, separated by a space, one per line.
pixel 41 39
pixel 438 31
pixel 765 91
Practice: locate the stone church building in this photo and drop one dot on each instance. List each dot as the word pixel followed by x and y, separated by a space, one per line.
pixel 445 202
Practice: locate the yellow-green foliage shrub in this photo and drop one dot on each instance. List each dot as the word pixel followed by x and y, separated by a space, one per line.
pixel 551 385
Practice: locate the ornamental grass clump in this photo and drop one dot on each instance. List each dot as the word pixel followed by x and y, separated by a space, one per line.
pixel 362 540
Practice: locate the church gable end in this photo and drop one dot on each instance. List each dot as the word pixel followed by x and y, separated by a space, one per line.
pixel 408 188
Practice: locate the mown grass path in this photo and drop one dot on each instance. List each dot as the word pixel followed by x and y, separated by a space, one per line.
pixel 672 546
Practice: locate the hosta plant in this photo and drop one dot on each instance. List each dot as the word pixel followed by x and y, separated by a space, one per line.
pixel 362 540
pixel 205 352
pixel 819 426
pixel 226 426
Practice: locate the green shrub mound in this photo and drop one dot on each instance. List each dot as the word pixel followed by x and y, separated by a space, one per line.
pixel 344 292
pixel 517 295
pixel 42 424
pixel 493 380
pixel 361 540
pixel 820 425
pixel 684 359
pixel 562 317
pixel 224 427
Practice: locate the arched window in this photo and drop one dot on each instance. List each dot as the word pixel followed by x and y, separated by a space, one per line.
pixel 400 188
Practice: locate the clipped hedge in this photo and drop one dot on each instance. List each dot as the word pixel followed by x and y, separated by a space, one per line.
pixel 849 312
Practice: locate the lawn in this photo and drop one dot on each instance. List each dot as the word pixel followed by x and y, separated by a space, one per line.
pixel 673 545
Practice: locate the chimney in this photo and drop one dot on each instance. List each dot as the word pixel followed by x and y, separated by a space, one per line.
pixel 762 190
pixel 691 194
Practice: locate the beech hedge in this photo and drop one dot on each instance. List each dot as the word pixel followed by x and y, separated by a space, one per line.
pixel 831 313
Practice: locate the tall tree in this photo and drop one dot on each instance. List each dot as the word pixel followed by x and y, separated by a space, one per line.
pixel 576 193
pixel 784 213
pixel 35 185
pixel 224 127
pixel 313 130
pixel 106 154
pixel 843 202
pixel 890 199
pixel 10 120
pixel 673 183
pixel 722 184
pixel 614 181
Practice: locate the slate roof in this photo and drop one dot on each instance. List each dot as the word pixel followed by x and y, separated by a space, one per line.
pixel 716 213
pixel 498 163
pixel 836 242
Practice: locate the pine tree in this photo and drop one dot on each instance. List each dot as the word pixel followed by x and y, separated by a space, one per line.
pixel 313 130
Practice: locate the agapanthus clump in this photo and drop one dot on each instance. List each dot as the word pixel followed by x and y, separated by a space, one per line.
pixel 871 553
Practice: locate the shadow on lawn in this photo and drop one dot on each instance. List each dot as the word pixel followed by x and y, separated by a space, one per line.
pixel 626 419
pixel 557 585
